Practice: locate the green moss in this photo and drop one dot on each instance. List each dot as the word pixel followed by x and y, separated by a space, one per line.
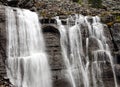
pixel 80 1
pixel 118 18
pixel 43 13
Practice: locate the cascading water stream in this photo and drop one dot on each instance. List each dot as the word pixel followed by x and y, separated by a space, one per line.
pixel 78 70
pixel 103 47
pixel 77 54
pixel 27 59
pixel 84 70
pixel 64 42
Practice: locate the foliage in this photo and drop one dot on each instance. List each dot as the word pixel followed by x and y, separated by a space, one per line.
pixel 80 1
pixel 118 18
pixel 95 3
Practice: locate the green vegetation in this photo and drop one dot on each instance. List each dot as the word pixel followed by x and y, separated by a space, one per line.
pixel 80 1
pixel 95 3
pixel 118 18
pixel 116 15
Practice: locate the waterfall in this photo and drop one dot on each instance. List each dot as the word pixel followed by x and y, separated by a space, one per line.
pixel 97 31
pixel 27 59
pixel 85 66
pixel 64 42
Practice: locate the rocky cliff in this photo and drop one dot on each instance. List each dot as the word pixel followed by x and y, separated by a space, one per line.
pixel 52 36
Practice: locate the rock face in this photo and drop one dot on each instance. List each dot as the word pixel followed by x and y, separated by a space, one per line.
pixel 3 81
pixel 112 4
pixel 52 39
pixel 115 31
pixel 2 41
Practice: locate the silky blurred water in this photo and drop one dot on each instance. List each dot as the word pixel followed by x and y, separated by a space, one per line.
pixel 27 60
pixel 83 69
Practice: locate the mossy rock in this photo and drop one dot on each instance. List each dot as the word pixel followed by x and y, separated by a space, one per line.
pixel 118 18
pixel 110 24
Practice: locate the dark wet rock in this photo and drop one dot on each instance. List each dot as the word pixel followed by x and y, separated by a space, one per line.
pixel 2 42
pixel 3 2
pixel 52 39
pixel 93 44
pixel 109 82
pixel 107 71
pixel 13 3
pixel 61 79
pixel 115 31
pixel 85 34
pixel 108 36
pixel 117 57
pixel 117 69
pixel 107 18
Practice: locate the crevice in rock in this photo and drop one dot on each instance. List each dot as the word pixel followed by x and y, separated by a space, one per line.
pixel 58 69
pixel 113 41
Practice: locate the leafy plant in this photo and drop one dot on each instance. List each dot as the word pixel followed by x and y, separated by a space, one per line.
pixel 80 1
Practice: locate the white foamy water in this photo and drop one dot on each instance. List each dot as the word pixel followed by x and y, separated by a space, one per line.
pixel 85 70
pixel 64 42
pixel 27 60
